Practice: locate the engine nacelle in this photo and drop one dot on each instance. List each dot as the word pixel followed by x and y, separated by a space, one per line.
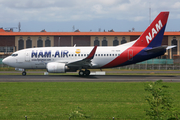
pixel 54 67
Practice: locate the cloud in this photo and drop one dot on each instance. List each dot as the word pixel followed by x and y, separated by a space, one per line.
pixel 14 11
pixel 176 5
pixel 68 10
pixel 139 18
pixel 37 4
pixel 98 9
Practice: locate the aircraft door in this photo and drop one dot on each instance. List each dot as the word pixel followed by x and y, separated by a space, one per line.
pixel 27 56
pixel 130 55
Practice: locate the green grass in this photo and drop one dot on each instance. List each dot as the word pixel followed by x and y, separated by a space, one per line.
pixel 102 101
pixel 110 69
pixel 42 73
pixel 167 74
pixel 7 69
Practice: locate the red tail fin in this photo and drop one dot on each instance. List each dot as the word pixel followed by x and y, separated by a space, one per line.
pixel 153 35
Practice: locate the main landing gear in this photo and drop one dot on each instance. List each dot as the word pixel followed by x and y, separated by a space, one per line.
pixel 24 73
pixel 84 73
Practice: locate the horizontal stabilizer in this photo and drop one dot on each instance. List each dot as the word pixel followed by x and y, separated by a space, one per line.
pixel 169 47
pixel 157 49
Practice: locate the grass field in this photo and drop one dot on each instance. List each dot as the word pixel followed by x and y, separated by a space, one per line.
pixel 52 101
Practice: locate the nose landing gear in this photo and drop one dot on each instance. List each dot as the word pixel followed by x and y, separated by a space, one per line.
pixel 24 73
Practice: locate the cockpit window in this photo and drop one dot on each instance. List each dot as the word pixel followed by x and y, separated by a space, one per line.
pixel 14 55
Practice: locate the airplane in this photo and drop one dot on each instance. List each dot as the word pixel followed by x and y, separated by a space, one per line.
pixel 72 59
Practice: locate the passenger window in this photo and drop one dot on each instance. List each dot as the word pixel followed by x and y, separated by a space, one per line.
pixel 78 54
pixel 112 54
pixel 84 54
pixel 101 54
pixel 75 54
pixel 107 54
pixel 104 54
pixel 98 54
pixel 81 54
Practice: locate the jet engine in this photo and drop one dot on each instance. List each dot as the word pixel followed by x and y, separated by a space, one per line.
pixel 54 67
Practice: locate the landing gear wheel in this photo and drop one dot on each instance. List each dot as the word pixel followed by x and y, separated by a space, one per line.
pixel 81 73
pixel 24 73
pixel 87 72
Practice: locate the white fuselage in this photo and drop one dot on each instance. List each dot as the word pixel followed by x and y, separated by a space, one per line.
pixel 33 58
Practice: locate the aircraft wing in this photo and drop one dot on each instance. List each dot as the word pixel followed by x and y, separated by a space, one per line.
pixel 84 63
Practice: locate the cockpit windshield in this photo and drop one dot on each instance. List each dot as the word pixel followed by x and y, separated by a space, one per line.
pixel 14 55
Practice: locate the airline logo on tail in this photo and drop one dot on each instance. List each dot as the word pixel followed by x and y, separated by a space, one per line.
pixel 154 31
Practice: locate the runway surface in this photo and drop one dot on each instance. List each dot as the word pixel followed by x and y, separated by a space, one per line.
pixel 97 78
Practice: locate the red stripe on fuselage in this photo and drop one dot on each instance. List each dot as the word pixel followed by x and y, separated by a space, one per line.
pixel 125 56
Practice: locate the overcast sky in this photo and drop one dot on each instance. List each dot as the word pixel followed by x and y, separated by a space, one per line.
pixel 86 15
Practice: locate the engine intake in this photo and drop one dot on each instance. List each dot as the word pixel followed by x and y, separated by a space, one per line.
pixel 54 67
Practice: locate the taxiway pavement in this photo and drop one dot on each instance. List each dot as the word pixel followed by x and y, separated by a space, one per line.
pixel 95 78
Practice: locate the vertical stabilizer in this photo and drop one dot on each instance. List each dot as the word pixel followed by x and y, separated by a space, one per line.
pixel 153 35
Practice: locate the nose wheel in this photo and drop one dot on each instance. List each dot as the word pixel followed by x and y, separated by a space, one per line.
pixel 24 73
pixel 84 73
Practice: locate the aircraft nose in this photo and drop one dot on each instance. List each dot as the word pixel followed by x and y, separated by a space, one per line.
pixel 5 61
